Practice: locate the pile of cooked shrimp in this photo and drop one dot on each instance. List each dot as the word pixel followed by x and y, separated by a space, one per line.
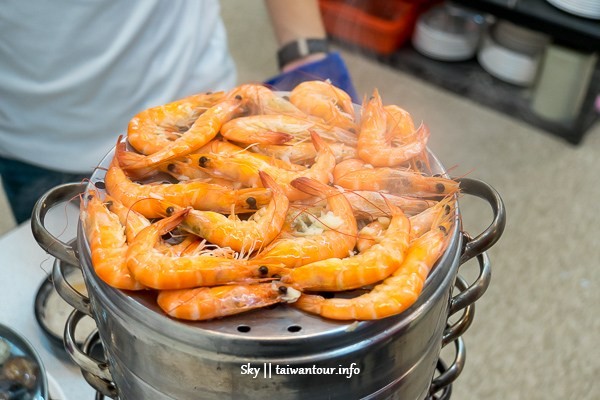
pixel 232 201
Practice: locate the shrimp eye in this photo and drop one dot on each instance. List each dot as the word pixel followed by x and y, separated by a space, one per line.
pixel 238 97
pixel 202 161
pixel 251 202
pixel 171 167
pixel 442 228
pixel 100 185
pixel 440 187
pixel 108 204
pixel 170 210
pixel 276 276
pixel 263 270
pixel 282 289
pixel 286 98
pixel 89 197
pixel 352 130
pixel 209 92
pixel 447 209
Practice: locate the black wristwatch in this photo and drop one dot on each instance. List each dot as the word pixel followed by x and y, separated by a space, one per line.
pixel 300 48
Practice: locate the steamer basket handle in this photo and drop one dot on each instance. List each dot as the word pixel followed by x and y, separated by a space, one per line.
pixel 103 387
pixel 86 363
pixel 452 372
pixel 68 293
pixel 452 332
pixel 47 241
pixel 471 294
pixel 490 236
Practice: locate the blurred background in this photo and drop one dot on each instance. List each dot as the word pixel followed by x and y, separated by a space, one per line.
pixel 508 90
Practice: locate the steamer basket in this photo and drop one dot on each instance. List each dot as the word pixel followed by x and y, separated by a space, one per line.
pixel 151 356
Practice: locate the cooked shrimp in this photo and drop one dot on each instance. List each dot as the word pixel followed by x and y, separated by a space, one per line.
pixel 262 100
pixel 244 168
pixel 372 233
pixel 391 297
pixel 197 194
pixel 375 143
pixel 325 101
pixel 108 244
pixel 193 165
pixel 266 129
pixel 205 303
pixel 331 235
pixel 368 204
pixel 354 174
pixel 244 236
pixel 202 131
pixel 163 271
pixel 154 128
pixel 429 218
pixel 305 152
pixel 374 264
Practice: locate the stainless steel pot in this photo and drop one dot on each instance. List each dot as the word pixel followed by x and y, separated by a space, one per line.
pixel 152 356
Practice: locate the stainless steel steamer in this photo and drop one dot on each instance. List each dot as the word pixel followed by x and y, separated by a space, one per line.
pixel 151 356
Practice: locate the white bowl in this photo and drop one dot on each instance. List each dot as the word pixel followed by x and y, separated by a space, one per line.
pixel 506 64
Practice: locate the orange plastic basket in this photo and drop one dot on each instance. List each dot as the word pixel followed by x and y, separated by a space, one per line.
pixel 381 26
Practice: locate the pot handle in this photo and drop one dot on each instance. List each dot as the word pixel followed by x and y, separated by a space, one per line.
pixel 68 293
pixel 453 332
pixel 469 295
pixel 452 372
pixel 103 387
pixel 47 241
pixel 86 363
pixel 490 236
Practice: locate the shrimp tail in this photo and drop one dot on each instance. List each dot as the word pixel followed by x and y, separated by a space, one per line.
pixel 274 137
pixel 310 186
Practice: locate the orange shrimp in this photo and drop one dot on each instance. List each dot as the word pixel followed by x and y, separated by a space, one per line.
pixel 391 297
pixel 429 218
pixel 368 204
pixel 374 264
pixel 154 128
pixel 196 194
pixel 325 101
pixel 265 129
pixel 135 222
pixel 355 174
pixel 336 237
pixel 305 152
pixel 164 271
pixel 244 168
pixel 191 166
pixel 262 100
pixel 372 233
pixel 206 303
pixel 108 244
pixel 202 131
pixel 375 143
pixel 244 236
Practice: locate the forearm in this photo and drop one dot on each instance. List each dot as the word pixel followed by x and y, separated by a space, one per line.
pixel 295 19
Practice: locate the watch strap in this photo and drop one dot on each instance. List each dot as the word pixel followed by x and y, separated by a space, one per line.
pixel 299 49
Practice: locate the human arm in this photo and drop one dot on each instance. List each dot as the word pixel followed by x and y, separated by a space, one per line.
pixel 297 20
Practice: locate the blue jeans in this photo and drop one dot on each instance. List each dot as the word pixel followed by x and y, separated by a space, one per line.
pixel 24 184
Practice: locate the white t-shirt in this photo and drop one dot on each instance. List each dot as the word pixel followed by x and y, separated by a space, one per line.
pixel 74 72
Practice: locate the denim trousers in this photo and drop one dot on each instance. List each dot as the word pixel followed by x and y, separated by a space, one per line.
pixel 24 184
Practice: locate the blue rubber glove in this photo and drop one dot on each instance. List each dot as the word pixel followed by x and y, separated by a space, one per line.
pixel 331 67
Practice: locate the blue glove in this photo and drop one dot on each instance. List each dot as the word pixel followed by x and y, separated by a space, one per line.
pixel 332 67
